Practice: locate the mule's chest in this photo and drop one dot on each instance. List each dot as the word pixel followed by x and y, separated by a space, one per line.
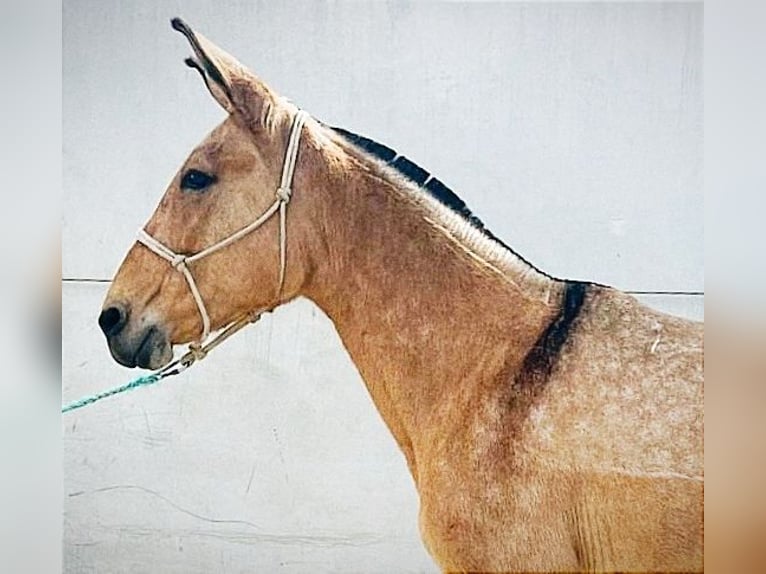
pixel 480 522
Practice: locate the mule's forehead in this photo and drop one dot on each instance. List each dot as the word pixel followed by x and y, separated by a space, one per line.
pixel 228 144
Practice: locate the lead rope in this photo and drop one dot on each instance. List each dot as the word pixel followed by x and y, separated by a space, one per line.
pixel 178 366
pixel 198 350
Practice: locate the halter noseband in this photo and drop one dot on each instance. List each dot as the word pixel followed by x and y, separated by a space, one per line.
pixel 283 193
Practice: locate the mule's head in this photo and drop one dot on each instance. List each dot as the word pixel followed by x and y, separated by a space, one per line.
pixel 227 182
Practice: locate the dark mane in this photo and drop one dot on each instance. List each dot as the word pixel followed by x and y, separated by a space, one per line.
pixel 418 175
pixel 425 181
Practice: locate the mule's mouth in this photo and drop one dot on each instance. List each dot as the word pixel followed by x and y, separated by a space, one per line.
pixel 149 346
pixel 150 349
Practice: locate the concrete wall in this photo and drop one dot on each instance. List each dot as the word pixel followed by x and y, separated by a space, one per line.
pixel 573 130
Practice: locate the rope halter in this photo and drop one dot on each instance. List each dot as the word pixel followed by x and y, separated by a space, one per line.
pixel 181 262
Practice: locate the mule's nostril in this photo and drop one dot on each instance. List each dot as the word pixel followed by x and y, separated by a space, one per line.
pixel 112 320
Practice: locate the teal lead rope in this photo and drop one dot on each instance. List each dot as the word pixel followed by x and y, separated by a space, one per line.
pixel 172 369
pixel 139 382
pixel 196 353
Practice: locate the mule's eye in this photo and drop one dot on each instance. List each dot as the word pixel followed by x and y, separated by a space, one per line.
pixel 196 180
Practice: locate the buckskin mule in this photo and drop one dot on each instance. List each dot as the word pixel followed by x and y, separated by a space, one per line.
pixel 548 425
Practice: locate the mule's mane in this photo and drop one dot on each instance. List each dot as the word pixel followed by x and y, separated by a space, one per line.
pixel 419 176
pixel 434 187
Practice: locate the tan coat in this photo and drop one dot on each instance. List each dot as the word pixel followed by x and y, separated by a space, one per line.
pixel 548 425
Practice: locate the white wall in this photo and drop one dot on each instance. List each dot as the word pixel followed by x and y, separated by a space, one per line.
pixel 573 130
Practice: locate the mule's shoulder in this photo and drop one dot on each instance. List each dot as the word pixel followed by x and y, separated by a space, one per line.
pixel 626 395
pixel 621 339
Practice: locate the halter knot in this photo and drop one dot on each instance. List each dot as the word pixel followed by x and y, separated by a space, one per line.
pixel 178 261
pixel 197 351
pixel 284 193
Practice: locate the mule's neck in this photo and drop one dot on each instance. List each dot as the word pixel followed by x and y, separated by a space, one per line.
pixel 424 307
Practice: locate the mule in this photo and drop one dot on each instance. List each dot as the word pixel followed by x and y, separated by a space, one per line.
pixel 548 425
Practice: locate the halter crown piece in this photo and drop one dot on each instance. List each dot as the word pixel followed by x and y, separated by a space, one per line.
pixel 181 262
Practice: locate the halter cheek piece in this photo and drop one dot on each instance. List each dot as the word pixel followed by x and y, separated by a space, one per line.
pixel 181 262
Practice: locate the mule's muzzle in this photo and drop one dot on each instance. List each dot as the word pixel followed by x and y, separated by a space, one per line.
pixel 134 343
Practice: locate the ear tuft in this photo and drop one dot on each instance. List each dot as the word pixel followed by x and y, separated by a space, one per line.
pixel 181 26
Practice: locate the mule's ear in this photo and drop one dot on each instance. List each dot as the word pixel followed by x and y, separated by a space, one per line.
pixel 230 83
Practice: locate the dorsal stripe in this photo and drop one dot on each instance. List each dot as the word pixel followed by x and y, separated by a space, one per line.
pixel 543 356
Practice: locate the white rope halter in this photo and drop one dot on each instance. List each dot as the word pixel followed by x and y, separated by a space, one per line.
pixel 181 262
